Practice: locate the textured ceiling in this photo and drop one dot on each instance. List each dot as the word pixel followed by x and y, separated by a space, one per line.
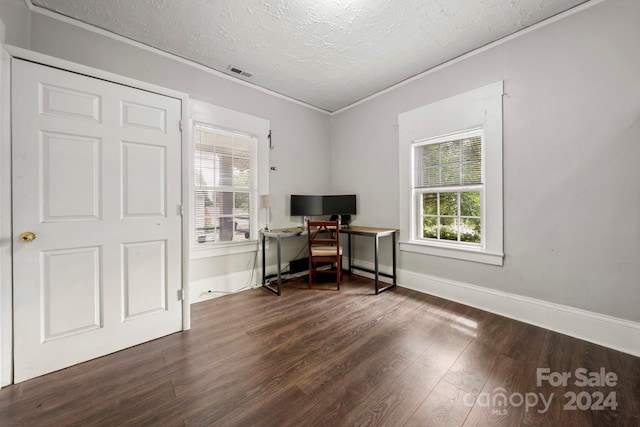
pixel 326 53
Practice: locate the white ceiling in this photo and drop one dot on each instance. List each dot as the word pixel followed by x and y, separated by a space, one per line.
pixel 326 53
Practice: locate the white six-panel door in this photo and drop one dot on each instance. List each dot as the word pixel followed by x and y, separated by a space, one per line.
pixel 97 180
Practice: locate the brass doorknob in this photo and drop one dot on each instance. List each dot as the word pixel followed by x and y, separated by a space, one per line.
pixel 28 236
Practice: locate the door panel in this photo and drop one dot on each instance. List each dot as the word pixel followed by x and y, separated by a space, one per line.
pixel 97 178
pixel 70 103
pixel 143 180
pixel 83 264
pixel 70 194
pixel 145 284
pixel 143 117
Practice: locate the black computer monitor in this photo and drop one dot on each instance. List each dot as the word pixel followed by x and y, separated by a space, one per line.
pixel 306 205
pixel 316 205
pixel 339 204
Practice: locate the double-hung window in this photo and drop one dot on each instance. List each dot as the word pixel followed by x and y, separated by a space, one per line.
pixel 448 188
pixel 225 187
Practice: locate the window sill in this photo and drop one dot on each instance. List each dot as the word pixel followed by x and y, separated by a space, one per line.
pixel 462 253
pixel 212 250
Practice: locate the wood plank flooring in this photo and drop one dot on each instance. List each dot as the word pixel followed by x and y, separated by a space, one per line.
pixel 332 358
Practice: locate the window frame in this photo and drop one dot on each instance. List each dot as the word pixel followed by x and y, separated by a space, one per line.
pixel 478 109
pixel 419 192
pixel 218 187
pixel 221 118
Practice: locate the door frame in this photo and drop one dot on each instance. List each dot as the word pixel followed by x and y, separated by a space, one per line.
pixel 7 53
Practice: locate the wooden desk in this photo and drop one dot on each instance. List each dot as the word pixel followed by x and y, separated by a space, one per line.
pixel 372 232
pixel 375 234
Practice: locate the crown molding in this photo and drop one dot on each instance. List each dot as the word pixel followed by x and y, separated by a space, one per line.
pixel 45 12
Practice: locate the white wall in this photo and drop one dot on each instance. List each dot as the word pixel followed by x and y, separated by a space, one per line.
pixel 299 133
pixel 571 145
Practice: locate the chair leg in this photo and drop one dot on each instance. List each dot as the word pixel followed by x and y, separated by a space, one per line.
pixel 339 272
pixel 310 272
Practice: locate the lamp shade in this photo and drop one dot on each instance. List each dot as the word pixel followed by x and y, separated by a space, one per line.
pixel 266 200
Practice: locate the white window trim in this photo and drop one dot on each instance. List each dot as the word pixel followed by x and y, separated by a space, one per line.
pixel 223 118
pixel 479 108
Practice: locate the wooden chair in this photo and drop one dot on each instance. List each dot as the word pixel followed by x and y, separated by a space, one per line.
pixel 324 247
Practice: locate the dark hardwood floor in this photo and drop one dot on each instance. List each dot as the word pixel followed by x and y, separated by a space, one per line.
pixel 329 358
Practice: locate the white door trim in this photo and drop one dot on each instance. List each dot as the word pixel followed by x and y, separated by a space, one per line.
pixel 6 285
pixel 6 290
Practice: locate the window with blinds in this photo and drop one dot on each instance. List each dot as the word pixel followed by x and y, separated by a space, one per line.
pixel 448 187
pixel 223 178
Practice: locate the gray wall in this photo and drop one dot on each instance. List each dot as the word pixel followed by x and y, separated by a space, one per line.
pixel 571 147
pixel 299 133
pixel 15 16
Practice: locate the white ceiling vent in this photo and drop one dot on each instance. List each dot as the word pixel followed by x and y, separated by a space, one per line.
pixel 238 71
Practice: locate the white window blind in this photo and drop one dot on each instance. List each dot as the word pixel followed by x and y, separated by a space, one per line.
pixel 449 163
pixel 223 181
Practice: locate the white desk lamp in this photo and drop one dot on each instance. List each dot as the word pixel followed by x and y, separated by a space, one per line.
pixel 266 201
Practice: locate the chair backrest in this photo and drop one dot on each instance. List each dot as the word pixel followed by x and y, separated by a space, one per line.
pixel 323 233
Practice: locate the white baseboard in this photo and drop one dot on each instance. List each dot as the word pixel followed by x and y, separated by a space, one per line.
pixel 370 266
pixel 217 286
pixel 612 332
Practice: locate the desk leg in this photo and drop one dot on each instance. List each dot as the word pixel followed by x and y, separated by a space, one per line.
pixel 393 251
pixel 375 250
pixel 278 266
pixel 264 267
pixel 349 251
